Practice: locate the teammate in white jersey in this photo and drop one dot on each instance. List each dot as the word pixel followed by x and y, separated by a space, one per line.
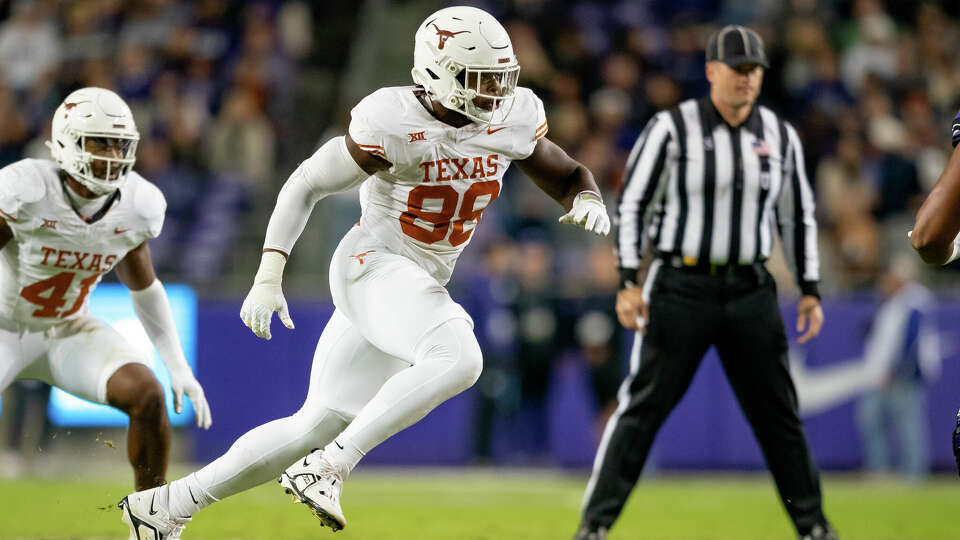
pixel 63 225
pixel 430 159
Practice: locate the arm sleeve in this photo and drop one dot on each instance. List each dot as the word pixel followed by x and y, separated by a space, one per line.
pixel 795 216
pixel 153 309
pixel 331 169
pixel 643 175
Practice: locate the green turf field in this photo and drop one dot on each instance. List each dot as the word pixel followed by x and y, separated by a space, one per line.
pixel 501 503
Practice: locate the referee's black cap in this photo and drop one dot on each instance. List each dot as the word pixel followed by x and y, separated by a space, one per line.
pixel 735 45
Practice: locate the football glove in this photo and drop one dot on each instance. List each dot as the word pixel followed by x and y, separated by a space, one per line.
pixel 266 297
pixel 588 212
pixel 183 382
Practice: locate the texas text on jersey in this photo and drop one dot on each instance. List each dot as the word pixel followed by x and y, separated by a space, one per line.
pixel 56 258
pixel 442 178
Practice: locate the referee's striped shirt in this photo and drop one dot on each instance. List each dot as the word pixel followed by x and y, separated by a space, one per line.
pixel 710 193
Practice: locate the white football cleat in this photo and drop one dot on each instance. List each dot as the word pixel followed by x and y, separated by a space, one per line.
pixel 316 483
pixel 148 519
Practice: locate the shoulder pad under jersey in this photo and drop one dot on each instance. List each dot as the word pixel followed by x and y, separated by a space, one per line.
pixel 22 183
pixel 25 180
pixel 379 122
pixel 149 202
pixel 531 120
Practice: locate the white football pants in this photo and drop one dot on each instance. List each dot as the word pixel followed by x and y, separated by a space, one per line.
pixel 78 356
pixel 396 347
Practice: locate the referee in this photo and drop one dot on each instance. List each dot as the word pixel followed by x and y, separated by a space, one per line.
pixel 705 184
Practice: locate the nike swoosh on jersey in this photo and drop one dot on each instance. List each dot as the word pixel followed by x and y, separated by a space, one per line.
pixel 117 230
pixel 492 131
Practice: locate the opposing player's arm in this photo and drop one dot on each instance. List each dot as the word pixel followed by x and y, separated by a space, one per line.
pixel 569 183
pixel 935 232
pixel 6 233
pixel 152 306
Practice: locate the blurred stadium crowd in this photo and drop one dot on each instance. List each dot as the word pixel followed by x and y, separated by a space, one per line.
pixel 230 95
pixel 214 89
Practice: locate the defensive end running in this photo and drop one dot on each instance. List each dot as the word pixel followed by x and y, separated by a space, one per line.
pixel 429 158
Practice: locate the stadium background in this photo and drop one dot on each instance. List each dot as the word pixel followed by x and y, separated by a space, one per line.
pixel 229 96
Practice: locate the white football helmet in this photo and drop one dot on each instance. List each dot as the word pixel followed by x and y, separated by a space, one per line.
pixel 94 113
pixel 464 59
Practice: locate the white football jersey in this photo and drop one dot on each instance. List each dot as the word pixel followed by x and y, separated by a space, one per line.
pixel 428 203
pixel 56 258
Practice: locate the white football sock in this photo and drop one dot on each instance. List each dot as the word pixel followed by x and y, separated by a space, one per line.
pixel 259 455
pixel 343 455
pixel 187 497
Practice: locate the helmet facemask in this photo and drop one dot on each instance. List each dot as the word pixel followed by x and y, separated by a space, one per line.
pixel 487 94
pixel 103 162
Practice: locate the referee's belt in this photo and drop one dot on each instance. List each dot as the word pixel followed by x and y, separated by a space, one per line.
pixel 694 266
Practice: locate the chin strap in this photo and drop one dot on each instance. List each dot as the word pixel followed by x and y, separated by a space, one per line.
pixel 100 213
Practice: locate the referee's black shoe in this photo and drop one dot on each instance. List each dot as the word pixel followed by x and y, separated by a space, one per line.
pixel 586 533
pixel 820 532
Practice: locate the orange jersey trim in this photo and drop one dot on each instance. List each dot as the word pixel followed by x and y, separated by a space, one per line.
pixel 8 216
pixel 542 130
pixel 373 149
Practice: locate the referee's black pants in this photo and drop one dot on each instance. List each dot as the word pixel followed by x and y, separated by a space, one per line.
pixel 734 309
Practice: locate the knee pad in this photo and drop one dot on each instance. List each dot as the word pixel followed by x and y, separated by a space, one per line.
pixel 454 348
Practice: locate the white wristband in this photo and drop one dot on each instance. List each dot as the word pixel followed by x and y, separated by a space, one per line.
pixel 271 268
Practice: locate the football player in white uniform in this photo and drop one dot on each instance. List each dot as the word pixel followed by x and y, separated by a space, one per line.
pixel 63 225
pixel 429 159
